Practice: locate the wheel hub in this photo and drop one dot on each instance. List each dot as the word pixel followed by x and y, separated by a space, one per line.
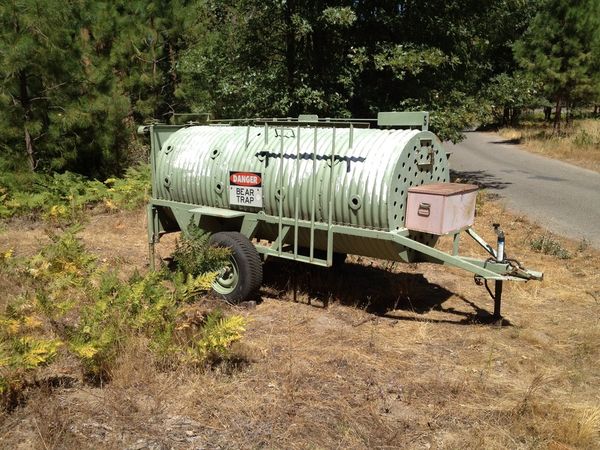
pixel 227 279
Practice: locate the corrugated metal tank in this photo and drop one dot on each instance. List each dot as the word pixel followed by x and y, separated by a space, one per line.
pixel 373 169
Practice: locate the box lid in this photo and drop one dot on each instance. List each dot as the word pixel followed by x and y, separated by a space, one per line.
pixel 445 189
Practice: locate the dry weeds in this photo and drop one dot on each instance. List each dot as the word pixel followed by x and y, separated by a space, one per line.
pixel 397 360
pixel 578 144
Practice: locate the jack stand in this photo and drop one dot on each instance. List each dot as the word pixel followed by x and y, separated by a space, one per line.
pixel 152 256
pixel 497 317
pixel 295 285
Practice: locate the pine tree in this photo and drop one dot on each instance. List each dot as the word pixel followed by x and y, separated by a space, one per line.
pixel 562 49
pixel 77 76
pixel 39 70
pixel 61 106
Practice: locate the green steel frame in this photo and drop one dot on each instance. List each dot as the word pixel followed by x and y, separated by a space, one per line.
pixel 187 213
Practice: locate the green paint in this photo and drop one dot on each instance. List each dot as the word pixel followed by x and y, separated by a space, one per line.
pixel 335 189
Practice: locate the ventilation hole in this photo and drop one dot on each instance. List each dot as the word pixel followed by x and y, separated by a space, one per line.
pixel 403 165
pixel 422 181
pixel 354 202
pixel 415 147
pixel 395 203
pixel 395 216
pixel 440 160
pixel 401 192
pixel 397 228
pixel 402 218
pixel 421 156
pixel 405 180
pixel 410 184
pixel 438 178
pixel 396 190
pixel 399 175
pixel 443 169
pixel 416 161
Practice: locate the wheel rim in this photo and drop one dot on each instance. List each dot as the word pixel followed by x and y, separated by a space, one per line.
pixel 228 278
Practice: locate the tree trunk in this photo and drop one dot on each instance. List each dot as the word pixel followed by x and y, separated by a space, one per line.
pixel 29 148
pixel 547 113
pixel 506 116
pixel 557 114
pixel 514 117
pixel 26 105
pixel 290 53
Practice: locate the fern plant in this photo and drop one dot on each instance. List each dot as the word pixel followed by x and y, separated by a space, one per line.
pixel 65 197
pixel 194 256
pixel 217 335
pixel 105 312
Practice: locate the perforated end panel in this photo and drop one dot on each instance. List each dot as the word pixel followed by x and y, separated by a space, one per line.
pixel 412 170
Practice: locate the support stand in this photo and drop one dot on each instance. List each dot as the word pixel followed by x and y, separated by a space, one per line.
pixel 295 285
pixel 498 301
pixel 151 256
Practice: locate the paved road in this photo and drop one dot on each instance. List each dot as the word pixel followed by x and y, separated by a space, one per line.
pixel 561 197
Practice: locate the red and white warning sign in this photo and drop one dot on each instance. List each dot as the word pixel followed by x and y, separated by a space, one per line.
pixel 245 189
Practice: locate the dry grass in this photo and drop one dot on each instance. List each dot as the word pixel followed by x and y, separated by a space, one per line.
pixel 577 144
pixel 397 360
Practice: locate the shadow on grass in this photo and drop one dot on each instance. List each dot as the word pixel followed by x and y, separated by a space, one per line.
pixel 378 291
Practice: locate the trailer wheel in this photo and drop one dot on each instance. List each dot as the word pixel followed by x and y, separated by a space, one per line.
pixel 243 275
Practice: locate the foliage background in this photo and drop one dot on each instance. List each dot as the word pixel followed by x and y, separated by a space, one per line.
pixel 78 75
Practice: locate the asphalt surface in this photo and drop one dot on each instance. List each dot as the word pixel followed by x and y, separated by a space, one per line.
pixel 563 198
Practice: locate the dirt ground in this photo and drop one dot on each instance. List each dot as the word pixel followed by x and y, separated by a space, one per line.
pixel 371 355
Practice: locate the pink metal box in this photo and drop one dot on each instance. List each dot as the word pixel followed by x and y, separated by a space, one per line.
pixel 441 208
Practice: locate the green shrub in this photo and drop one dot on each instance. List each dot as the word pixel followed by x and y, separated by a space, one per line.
pixel 194 256
pixel 217 335
pixel 548 245
pixel 65 197
pixel 85 308
pixel 24 345
pixel 131 191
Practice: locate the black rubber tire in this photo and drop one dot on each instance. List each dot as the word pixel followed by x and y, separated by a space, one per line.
pixel 247 260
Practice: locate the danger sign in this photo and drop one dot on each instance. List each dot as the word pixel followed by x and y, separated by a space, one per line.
pixel 245 189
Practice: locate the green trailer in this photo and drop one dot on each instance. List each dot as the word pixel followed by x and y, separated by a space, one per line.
pixel 314 190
